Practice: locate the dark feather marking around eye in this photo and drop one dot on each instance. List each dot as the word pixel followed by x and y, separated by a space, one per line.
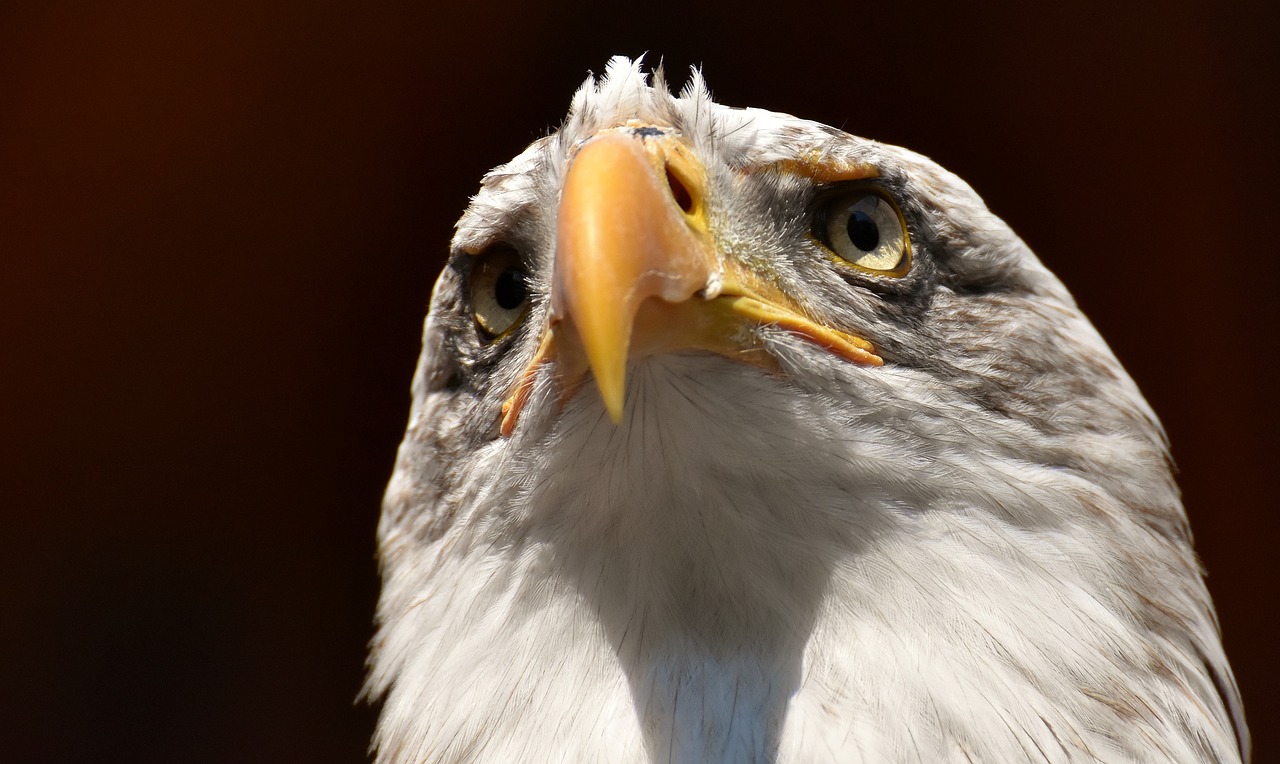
pixel 910 292
pixel 449 381
pixel 978 288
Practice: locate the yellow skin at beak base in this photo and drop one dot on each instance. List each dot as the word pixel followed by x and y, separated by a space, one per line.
pixel 633 271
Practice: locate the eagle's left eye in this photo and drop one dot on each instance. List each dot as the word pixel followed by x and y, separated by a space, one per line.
pixel 865 229
pixel 499 290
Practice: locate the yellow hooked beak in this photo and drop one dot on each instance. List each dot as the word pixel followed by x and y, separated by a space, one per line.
pixel 637 273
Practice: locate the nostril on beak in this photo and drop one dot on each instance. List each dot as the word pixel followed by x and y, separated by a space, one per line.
pixel 679 192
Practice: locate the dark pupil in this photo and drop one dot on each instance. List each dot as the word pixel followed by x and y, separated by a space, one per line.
pixel 863 231
pixel 509 289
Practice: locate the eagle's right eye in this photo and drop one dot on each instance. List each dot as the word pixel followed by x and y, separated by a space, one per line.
pixel 499 290
pixel 865 229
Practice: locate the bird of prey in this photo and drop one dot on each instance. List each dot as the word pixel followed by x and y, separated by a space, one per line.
pixel 738 438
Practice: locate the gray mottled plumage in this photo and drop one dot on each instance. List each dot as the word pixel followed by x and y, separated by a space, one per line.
pixel 975 552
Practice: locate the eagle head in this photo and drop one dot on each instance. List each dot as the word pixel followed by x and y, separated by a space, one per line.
pixel 738 438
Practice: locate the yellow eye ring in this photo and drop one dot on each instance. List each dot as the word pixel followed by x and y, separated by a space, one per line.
pixel 865 229
pixel 499 290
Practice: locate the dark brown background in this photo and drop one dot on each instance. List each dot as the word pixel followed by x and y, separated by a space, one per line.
pixel 219 225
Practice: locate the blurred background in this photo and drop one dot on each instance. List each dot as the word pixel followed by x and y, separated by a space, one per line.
pixel 219 227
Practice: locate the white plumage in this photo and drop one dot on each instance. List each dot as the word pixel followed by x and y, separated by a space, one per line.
pixel 974 552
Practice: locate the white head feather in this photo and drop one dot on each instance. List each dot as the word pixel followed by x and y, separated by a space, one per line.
pixel 974 553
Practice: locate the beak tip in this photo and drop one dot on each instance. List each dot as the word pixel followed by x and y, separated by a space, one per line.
pixel 613 392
